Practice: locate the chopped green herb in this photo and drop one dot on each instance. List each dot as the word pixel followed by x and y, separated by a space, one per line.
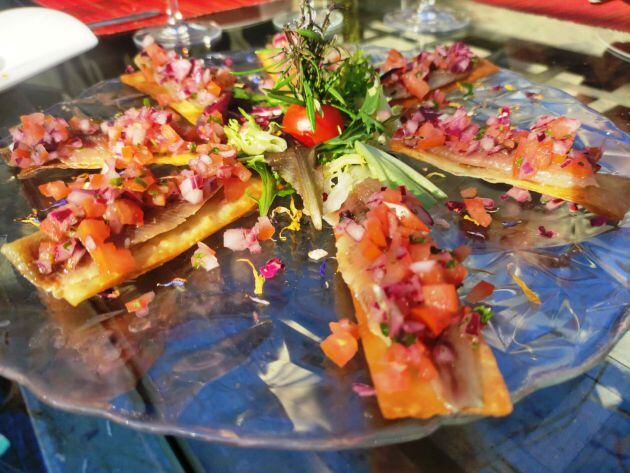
pixel 468 89
pixel 385 329
pixel 417 239
pixel 192 146
pixel 66 245
pixel 519 162
pixel 146 102
pixel 140 182
pixel 480 133
pixel 153 193
pixel 451 263
pixel 409 339
pixel 116 181
pixel 485 313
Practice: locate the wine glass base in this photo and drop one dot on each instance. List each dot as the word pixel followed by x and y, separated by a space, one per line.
pixel 429 20
pixel 182 35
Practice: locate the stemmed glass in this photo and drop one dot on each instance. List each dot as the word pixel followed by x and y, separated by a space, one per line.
pixel 425 18
pixel 178 33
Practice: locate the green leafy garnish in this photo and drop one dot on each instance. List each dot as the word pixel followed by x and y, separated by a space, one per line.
pixel 269 181
pixel 250 139
pixel 394 173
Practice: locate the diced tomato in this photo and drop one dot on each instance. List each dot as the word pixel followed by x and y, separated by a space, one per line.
pixel 477 211
pixel 369 250
pixel 420 251
pixel 126 212
pixel 393 377
pixel 374 231
pixel 113 260
pixel 265 228
pixel 52 228
pixel 441 296
pixel 429 136
pixel 33 127
pixel 407 217
pixel 340 347
pixel 432 274
pixel 94 208
pixel 213 88
pixel 436 319
pixel 97 181
pixel 426 369
pixel 345 325
pixel 139 183
pixel 380 212
pixel 140 304
pixel 233 188
pixel 241 172
pixel 415 84
pixel 56 189
pixel 461 252
pixel 396 269
pixel 455 274
pixel 97 230
pixel 394 60
pixel 392 196
pixel 563 128
pixel 157 54
pixel 481 290
pixel 579 165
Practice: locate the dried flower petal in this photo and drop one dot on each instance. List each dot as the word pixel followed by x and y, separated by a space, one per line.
pixel 317 254
pixel 271 268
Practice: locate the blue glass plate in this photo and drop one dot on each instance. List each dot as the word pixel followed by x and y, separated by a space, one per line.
pixel 212 362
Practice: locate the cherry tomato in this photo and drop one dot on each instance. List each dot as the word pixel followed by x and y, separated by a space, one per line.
pixel 327 125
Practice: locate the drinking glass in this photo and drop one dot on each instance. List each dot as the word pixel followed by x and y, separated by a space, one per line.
pixel 425 18
pixel 177 33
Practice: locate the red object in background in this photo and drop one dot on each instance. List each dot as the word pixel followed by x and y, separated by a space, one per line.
pixel 613 14
pixel 89 11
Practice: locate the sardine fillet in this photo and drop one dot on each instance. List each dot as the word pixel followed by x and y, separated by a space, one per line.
pixel 610 198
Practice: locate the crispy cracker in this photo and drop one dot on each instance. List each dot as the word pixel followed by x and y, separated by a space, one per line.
pixel 87 280
pixel 610 198
pixel 185 108
pixel 422 400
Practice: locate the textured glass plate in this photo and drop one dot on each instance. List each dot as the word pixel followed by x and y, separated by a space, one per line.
pixel 212 363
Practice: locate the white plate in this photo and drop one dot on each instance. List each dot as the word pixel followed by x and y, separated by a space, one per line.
pixel 35 39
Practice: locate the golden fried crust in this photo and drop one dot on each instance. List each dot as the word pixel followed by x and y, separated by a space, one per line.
pixel 185 108
pixel 422 400
pixel 87 280
pixel 610 198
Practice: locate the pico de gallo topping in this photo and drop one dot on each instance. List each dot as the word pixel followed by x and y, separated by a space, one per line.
pixel 540 153
pixel 183 78
pixel 137 135
pixel 402 77
pixel 414 284
pixel 100 211
pixel 41 138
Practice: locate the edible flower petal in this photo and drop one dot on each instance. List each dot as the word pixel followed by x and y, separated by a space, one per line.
pixel 271 268
pixel 259 279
